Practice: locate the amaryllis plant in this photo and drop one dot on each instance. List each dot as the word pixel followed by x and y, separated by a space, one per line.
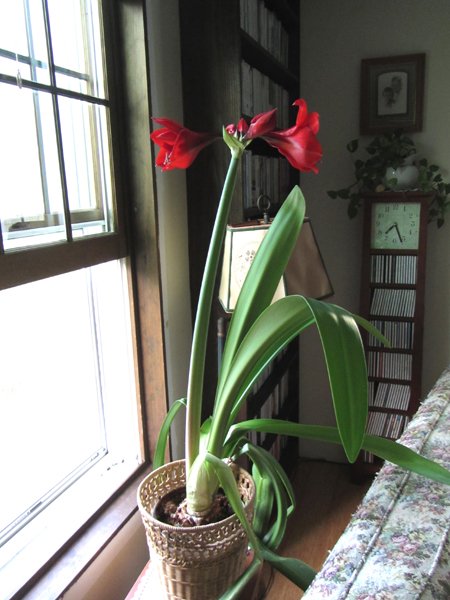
pixel 258 331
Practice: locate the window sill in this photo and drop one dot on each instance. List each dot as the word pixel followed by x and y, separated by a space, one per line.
pixel 66 567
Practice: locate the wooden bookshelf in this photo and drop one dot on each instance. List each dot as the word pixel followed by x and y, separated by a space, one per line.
pixel 392 299
pixel 219 42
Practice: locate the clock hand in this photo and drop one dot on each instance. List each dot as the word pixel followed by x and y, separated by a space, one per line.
pixel 391 227
pixel 398 233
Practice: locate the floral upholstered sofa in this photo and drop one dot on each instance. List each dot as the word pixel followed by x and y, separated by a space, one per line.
pixel 397 544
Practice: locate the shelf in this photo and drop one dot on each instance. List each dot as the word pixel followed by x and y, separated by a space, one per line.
pixel 286 14
pixel 392 299
pixel 387 410
pixel 386 350
pixel 259 58
pixel 397 251
pixel 382 317
pixel 389 380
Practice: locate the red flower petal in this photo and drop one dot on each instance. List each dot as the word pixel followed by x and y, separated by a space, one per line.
pixel 261 124
pixel 179 146
pixel 304 119
pixel 299 145
pixel 242 126
pixel 167 124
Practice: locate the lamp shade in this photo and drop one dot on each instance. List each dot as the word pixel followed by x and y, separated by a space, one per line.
pixel 241 244
pixel 305 273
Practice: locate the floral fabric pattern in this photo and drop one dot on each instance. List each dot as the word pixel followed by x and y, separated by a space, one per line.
pixel 397 544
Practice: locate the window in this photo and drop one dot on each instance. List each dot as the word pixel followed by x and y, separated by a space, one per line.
pixel 51 54
pixel 71 295
pixel 68 415
pixel 56 146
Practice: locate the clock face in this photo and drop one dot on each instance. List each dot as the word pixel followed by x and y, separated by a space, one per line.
pixel 395 225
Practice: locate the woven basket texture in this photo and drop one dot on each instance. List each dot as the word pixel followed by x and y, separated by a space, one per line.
pixel 193 563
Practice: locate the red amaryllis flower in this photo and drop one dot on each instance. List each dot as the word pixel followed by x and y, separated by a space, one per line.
pixel 179 146
pixel 298 143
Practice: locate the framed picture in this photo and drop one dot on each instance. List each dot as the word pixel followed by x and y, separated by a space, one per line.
pixel 392 93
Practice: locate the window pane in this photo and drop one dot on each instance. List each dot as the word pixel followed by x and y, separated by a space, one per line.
pixel 69 428
pixel 87 163
pixel 22 41
pixel 76 42
pixel 31 205
pixel 50 385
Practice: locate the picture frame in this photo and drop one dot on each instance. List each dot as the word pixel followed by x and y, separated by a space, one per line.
pixel 392 90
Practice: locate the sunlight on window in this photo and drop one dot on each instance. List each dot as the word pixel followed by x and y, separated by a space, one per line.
pixel 56 398
pixel 25 158
pixel 56 143
pixel 68 406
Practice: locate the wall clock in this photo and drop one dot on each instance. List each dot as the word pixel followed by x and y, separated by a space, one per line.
pixel 395 225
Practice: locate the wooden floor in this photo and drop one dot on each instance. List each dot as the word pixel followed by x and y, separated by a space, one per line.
pixel 326 499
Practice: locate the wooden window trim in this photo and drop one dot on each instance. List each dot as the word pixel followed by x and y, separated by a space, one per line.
pixel 31 264
pixel 73 560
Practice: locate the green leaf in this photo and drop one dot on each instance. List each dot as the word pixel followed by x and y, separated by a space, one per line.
pixel 332 194
pixel 269 467
pixel 400 455
pixel 394 452
pixel 160 450
pixel 352 146
pixel 236 147
pixel 264 501
pixel 344 194
pixel 264 275
pixel 321 433
pixel 204 433
pixel 347 372
pixel 344 357
pixel 229 486
pixel 294 569
pixel 235 590
pixel 352 211
pixel 276 326
pixel 367 325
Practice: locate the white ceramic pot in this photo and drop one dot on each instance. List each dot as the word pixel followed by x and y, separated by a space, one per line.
pixel 406 176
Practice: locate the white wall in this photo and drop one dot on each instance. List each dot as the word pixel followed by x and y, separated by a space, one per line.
pixel 167 101
pixel 335 36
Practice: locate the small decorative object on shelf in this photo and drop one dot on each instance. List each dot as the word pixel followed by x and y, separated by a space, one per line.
pixel 392 298
pixel 393 166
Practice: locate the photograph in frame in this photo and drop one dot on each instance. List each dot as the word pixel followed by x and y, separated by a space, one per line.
pixel 392 93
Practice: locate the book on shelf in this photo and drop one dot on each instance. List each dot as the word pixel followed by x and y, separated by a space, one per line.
pixel 263 25
pixel 393 302
pixel 264 175
pixel 393 269
pixel 388 425
pixel 389 365
pixel 389 395
pixel 399 333
pixel 260 94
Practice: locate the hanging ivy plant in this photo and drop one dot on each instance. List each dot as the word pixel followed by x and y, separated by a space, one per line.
pixel 394 150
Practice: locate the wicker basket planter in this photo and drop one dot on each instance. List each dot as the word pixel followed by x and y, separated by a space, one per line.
pixel 193 563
